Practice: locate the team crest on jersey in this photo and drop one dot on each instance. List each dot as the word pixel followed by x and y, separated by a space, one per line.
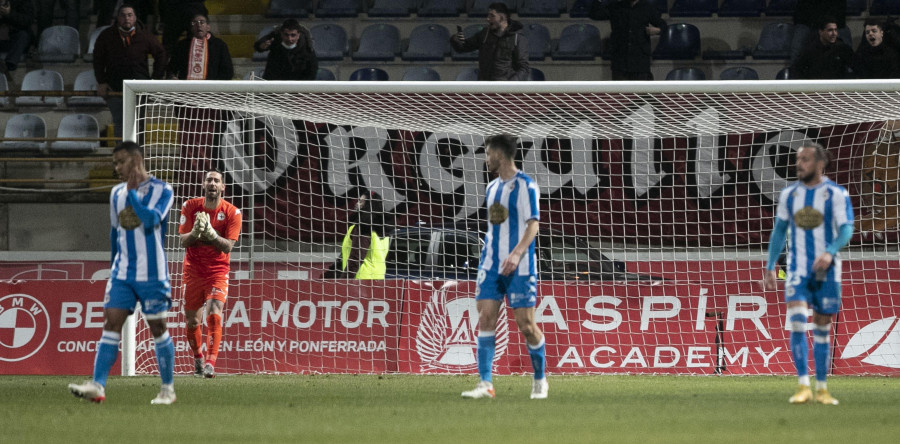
pixel 128 219
pixel 220 216
pixel 498 214
pixel 448 332
pixel 808 218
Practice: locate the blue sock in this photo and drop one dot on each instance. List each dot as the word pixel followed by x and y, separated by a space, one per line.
pixel 800 352
pixel 821 347
pixel 165 357
pixel 538 358
pixel 107 353
pixel 486 344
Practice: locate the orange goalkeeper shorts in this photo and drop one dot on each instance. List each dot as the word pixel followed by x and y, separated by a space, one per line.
pixel 197 291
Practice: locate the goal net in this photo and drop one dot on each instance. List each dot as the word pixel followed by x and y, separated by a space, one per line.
pixel 657 200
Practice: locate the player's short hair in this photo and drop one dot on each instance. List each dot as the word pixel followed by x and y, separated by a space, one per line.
pixel 291 24
pixel 821 152
pixel 874 21
pixel 125 5
pixel 499 8
pixel 129 147
pixel 503 142
pixel 825 20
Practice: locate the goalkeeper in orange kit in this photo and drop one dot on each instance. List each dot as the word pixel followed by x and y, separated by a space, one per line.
pixel 208 229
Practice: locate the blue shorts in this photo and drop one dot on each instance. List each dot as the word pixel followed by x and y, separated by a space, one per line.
pixel 823 296
pixel 155 296
pixel 520 291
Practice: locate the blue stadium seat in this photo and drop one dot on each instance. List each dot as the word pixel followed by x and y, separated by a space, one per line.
pixel 686 74
pixel 694 8
pixel 781 8
pixel 726 54
pixel 540 8
pixel 421 74
pixel 338 8
pixel 429 42
pixel 441 8
pixel 742 8
pixel 774 42
pixel 89 55
pixel 86 82
pixel 59 44
pixel 23 126
pixel 479 8
pixel 369 74
pixel 468 31
pixel 468 74
pixel 578 42
pixel 784 74
pixel 739 73
pixel 325 74
pixel 538 41
pixel 391 8
pixel 884 7
pixel 329 41
pixel 856 7
pixel 77 126
pixel 680 41
pixel 289 8
pixel 380 41
pixel 262 56
pixel 580 9
pixel 41 80
pixel 536 75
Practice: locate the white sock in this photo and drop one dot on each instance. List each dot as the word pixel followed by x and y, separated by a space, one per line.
pixel 804 380
pixel 821 385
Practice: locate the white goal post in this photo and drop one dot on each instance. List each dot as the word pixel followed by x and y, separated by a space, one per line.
pixel 674 183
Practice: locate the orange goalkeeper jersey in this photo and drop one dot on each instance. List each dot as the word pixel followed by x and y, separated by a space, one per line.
pixel 203 260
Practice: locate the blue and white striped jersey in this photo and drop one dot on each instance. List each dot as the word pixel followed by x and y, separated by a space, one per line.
pixel 510 205
pixel 139 254
pixel 815 216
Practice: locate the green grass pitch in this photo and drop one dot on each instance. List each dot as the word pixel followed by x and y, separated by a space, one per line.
pixel 429 409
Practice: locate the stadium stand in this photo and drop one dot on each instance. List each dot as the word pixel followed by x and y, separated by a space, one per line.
pixel 86 82
pixel 694 8
pixel 369 74
pixel 739 73
pixel 329 41
pixel 76 126
pixel 774 41
pixel 781 8
pixel 441 8
pixel 742 8
pixel 338 8
pixel 59 44
pixel 536 75
pixel 884 7
pixel 289 8
pixel 421 74
pixel 89 55
pixel 392 8
pixel 262 56
pixel 541 8
pixel 577 42
pixel 429 42
pixel 24 126
pixel 538 41
pixel 468 74
pixel 4 87
pixel 468 31
pixel 661 5
pixel 325 74
pixel 380 41
pixel 686 74
pixel 580 9
pixel 856 7
pixel 479 8
pixel 680 41
pixel 784 74
pixel 41 80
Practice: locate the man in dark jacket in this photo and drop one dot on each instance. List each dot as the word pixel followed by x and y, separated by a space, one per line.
pixel 502 48
pixel 827 57
pixel 808 16
pixel 201 56
pixel 120 53
pixel 17 16
pixel 293 57
pixel 633 22
pixel 875 59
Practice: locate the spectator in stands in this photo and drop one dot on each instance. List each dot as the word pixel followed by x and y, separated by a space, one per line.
pixel 808 16
pixel 294 57
pixel 201 56
pixel 826 57
pixel 633 22
pixel 503 49
pixel 176 16
pixel 120 53
pixel 16 16
pixel 45 13
pixel 875 59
